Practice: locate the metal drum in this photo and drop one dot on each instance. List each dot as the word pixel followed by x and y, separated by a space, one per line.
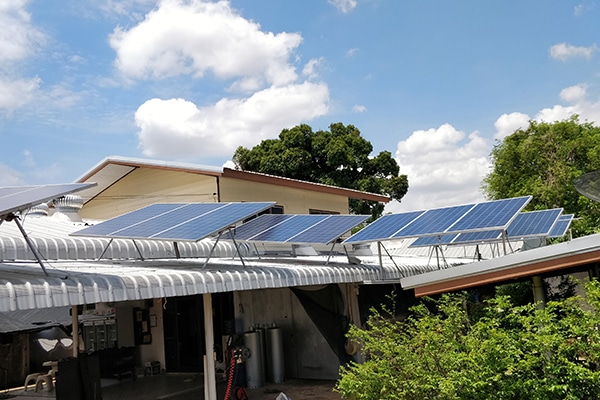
pixel 254 363
pixel 275 359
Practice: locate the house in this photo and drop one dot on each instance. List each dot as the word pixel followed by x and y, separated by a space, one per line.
pixel 126 184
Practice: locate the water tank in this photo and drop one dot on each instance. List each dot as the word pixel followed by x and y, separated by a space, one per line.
pixel 254 363
pixel 275 359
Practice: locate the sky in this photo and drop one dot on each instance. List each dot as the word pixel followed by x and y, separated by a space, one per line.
pixel 436 83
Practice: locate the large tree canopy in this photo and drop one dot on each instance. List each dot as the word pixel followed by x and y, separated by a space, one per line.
pixel 543 161
pixel 340 157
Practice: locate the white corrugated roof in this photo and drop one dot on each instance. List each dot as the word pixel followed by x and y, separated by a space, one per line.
pixel 23 285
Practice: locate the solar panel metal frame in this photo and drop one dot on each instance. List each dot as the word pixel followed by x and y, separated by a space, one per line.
pixel 19 198
pixel 466 238
pixel 159 219
pixel 296 229
pixel 468 221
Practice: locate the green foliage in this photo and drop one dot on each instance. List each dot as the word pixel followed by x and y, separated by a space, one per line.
pixel 340 157
pixel 543 161
pixel 509 352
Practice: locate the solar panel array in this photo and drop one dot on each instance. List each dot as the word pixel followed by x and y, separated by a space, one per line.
pixel 295 229
pixel 175 221
pixel 491 215
pixel 20 198
pixel 540 223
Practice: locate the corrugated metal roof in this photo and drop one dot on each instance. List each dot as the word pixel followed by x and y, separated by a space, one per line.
pixel 23 285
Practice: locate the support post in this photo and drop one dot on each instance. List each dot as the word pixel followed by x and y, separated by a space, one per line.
pixel 210 381
pixel 75 330
pixel 539 294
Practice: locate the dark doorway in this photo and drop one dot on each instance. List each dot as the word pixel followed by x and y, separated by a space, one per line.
pixel 184 334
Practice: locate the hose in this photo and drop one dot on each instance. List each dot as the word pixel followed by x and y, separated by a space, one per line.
pixel 230 376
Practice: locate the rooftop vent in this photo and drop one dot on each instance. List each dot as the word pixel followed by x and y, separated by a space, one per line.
pixel 67 207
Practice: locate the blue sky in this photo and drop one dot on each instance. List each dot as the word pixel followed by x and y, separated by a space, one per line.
pixel 436 83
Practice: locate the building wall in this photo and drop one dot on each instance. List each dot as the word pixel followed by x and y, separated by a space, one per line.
pixel 294 201
pixel 145 186
pixel 307 354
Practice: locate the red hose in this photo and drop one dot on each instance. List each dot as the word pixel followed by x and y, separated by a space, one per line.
pixel 230 377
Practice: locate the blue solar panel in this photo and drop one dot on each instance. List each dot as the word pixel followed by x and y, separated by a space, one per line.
pixel 533 223
pixel 20 198
pixel 190 221
pixel 526 224
pixel 491 215
pixel 255 226
pixel 296 229
pixel 384 227
pixel 328 230
pixel 562 225
pixel 433 221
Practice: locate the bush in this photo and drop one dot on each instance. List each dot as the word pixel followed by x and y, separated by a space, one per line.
pixel 509 352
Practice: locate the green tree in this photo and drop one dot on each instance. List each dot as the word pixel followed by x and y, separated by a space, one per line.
pixel 543 161
pixel 340 157
pixel 510 352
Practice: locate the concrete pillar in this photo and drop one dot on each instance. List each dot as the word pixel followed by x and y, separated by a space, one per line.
pixel 210 381
pixel 539 293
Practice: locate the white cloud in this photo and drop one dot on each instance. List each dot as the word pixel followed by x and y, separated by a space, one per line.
pixel 508 124
pixel 359 109
pixel 352 52
pixel 16 93
pixel 565 51
pixel 579 104
pixel 178 128
pixel 444 167
pixel 195 37
pixel 344 6
pixel 10 177
pixel 574 94
pixel 19 40
pixel 310 70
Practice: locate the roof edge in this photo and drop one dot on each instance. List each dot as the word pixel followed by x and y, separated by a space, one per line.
pixel 158 164
pixel 513 266
pixel 298 184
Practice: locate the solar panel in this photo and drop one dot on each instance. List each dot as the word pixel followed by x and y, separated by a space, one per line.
pixel 492 215
pixel 527 224
pixel 175 221
pixel 433 221
pixel 20 198
pixel 562 225
pixel 534 223
pixel 384 227
pixel 496 214
pixel 296 229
